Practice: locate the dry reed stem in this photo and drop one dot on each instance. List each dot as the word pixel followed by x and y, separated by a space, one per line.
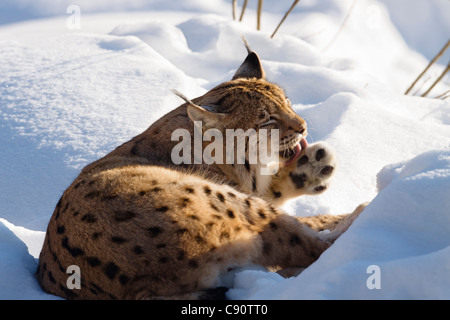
pixel 285 16
pixel 437 80
pixel 244 6
pixel 428 66
pixel 444 95
pixel 427 80
pixel 258 18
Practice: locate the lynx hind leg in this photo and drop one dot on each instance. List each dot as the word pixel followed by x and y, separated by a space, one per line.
pixel 323 222
pixel 332 225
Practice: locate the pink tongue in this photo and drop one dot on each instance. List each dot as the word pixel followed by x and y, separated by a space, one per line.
pixel 298 150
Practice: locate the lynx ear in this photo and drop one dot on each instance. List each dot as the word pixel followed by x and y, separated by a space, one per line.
pixel 251 67
pixel 208 118
pixel 206 114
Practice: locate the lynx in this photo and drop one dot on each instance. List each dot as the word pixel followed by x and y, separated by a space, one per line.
pixel 140 227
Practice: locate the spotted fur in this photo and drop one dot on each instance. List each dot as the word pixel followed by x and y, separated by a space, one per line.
pixel 140 227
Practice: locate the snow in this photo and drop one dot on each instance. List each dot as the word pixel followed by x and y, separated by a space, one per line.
pixel 413 257
pixel 67 97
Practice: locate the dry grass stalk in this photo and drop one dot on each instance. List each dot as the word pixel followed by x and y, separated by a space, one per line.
pixel 428 66
pixel 437 80
pixel 234 5
pixel 444 95
pixel 244 6
pixel 258 18
pixel 285 16
pixel 427 80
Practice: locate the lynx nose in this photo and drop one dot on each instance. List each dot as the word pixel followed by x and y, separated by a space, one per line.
pixel 296 124
pixel 299 128
pixel 302 131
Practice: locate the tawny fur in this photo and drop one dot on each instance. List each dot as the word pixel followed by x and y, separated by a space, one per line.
pixel 140 227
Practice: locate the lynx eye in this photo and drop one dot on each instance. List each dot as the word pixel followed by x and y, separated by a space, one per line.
pixel 270 120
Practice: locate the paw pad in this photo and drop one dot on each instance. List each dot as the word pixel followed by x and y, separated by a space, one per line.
pixel 327 170
pixel 320 154
pixel 298 179
pixel 303 160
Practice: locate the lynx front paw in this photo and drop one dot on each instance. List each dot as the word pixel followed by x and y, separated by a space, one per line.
pixel 314 169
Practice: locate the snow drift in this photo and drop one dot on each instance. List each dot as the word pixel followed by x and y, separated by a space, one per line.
pixel 69 97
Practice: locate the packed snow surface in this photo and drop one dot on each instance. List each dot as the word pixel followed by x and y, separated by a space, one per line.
pixel 71 93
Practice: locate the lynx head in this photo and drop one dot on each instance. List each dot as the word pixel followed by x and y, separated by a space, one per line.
pixel 249 103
